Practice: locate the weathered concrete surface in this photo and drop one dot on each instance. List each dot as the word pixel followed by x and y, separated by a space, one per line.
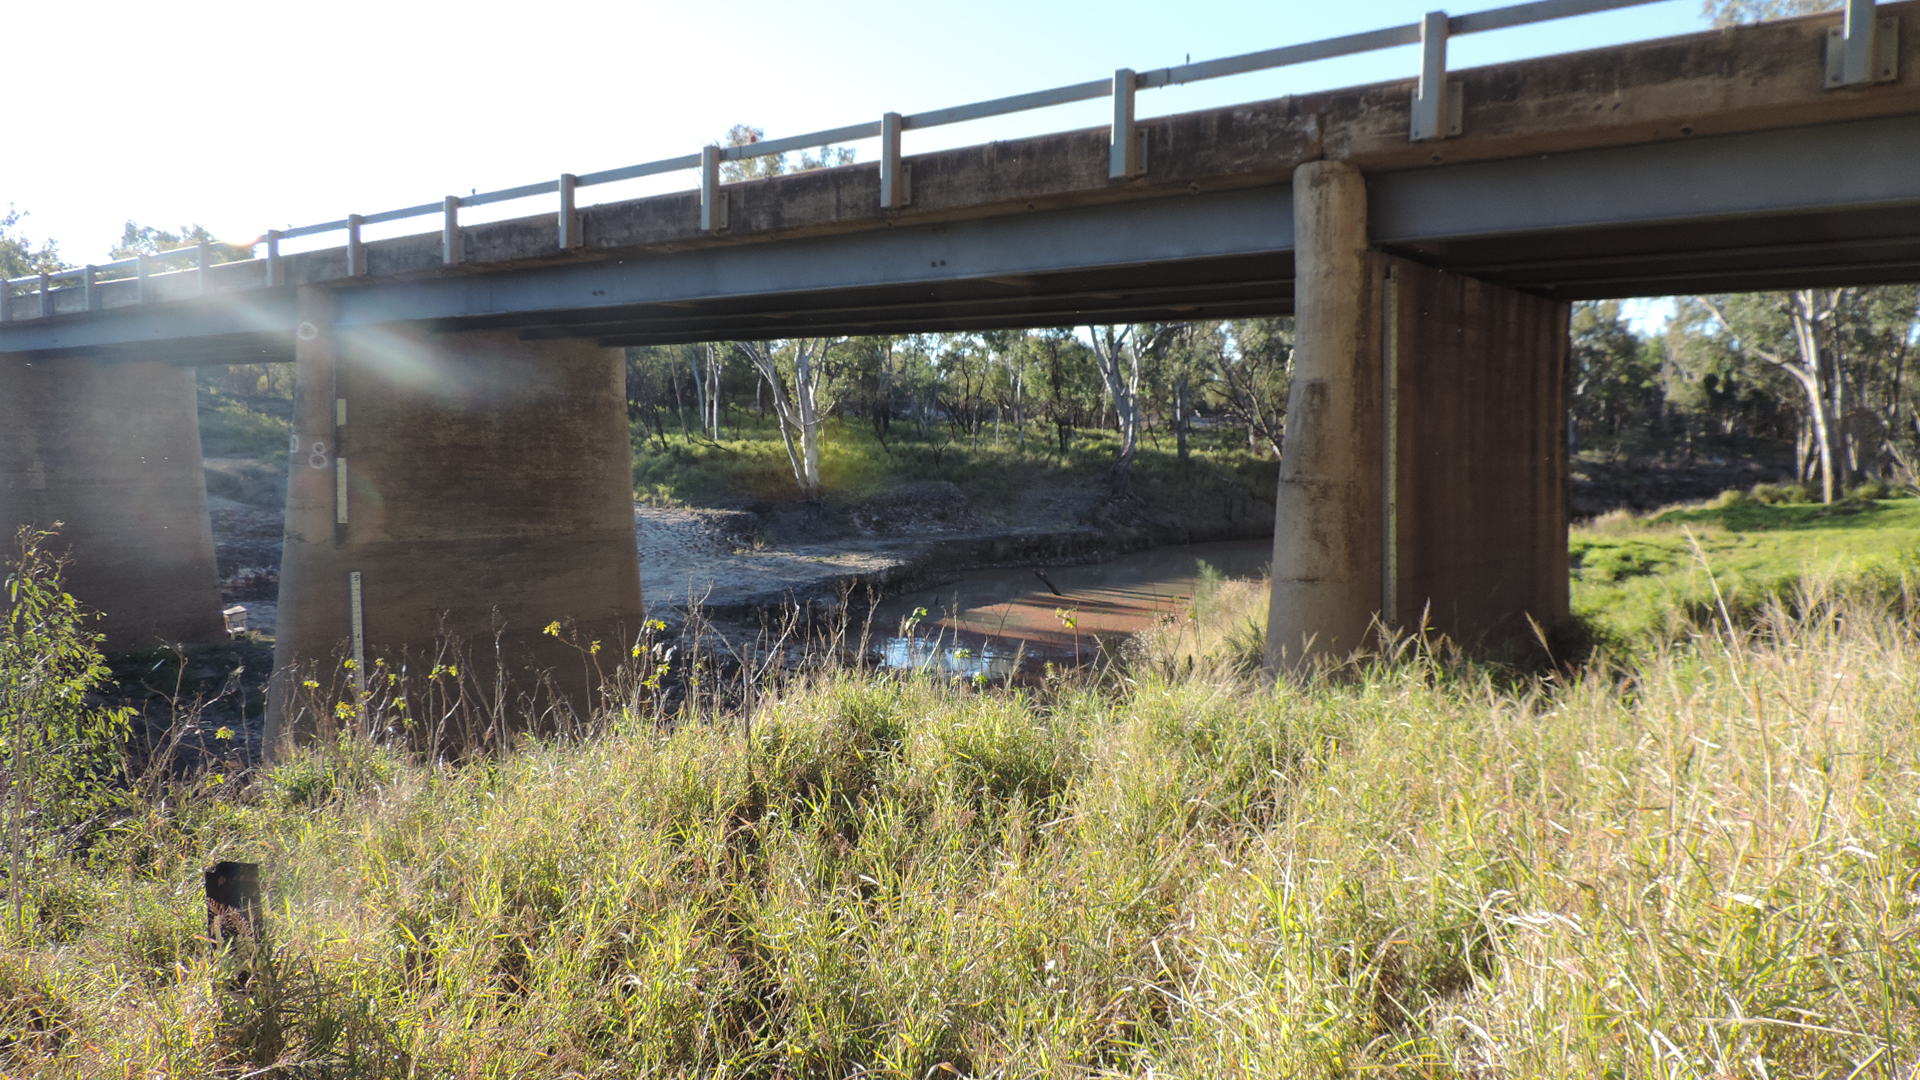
pixel 1327 520
pixel 488 492
pixel 1478 504
pixel 112 452
pixel 1740 79
pixel 1424 479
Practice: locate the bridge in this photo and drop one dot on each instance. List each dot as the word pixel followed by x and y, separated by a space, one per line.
pixel 460 456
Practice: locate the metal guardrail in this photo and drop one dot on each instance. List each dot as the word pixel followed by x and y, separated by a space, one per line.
pixel 1435 115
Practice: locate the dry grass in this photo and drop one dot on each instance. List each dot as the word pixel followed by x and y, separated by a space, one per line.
pixel 1707 865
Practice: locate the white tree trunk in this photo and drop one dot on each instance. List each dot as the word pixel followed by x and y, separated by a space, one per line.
pixel 797 407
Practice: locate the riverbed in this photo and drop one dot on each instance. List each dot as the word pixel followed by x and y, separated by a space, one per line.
pixel 992 622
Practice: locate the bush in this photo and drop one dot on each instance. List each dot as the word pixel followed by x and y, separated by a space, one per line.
pixel 1782 494
pixel 64 752
pixel 1870 490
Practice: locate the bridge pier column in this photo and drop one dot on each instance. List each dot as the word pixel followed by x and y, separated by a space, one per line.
pixel 111 450
pixel 463 486
pixel 1423 481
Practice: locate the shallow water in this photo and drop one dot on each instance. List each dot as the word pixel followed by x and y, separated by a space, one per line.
pixel 990 622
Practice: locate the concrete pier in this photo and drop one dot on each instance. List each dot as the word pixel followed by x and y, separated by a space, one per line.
pixel 1327 520
pixel 111 451
pixel 464 485
pixel 1423 480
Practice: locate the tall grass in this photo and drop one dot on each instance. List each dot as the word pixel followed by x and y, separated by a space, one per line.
pixel 1705 865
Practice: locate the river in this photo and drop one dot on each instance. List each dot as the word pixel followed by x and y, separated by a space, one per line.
pixel 991 622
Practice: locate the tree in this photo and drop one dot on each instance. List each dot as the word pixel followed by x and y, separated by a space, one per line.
pixel 1733 12
pixel 1616 381
pixel 795 372
pixel 138 239
pixel 1119 352
pixel 759 168
pixel 18 256
pixel 1794 333
pixel 1255 371
pixel 1067 374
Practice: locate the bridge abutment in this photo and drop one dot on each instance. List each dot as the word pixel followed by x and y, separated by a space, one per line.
pixel 1423 483
pixel 111 451
pixel 460 488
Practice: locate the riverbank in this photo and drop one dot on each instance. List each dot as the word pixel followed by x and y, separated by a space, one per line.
pixel 1425 869
pixel 743 564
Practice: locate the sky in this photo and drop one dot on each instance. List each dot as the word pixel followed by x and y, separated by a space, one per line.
pixel 245 115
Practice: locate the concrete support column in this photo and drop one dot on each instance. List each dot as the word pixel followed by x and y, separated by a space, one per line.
pixel 1327 513
pixel 1424 478
pixel 1476 523
pixel 111 450
pixel 465 485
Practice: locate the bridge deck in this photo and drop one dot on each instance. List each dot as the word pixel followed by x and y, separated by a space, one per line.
pixel 1705 162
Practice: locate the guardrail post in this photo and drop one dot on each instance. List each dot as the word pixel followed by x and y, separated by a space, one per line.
pixel 203 266
pixel 451 251
pixel 6 299
pixel 893 177
pixel 1126 144
pixel 356 251
pixel 276 271
pixel 143 289
pixel 46 294
pixel 92 286
pixel 1864 48
pixel 1430 112
pixel 713 207
pixel 570 237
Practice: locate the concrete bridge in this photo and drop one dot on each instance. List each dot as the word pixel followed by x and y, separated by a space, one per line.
pixel 460 457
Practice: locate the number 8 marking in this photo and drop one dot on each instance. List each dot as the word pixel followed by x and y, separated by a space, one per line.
pixel 318 458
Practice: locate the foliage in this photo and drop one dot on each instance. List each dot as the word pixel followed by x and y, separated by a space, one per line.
pixel 239 427
pixel 1732 12
pixel 60 750
pixel 138 239
pixel 18 256
pixel 856 464
pixel 1617 389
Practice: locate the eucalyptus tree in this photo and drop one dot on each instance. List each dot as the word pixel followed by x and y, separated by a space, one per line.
pixel 1254 372
pixel 18 255
pixel 797 373
pixel 1120 353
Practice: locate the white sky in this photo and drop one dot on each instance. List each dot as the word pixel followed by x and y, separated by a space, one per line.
pixel 245 115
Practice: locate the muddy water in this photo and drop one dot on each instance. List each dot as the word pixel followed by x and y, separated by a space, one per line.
pixel 991 621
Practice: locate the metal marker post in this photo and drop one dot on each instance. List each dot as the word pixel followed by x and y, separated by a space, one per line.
pixel 1430 99
pixel 1124 159
pixel 713 206
pixel 569 217
pixel 893 180
pixel 451 251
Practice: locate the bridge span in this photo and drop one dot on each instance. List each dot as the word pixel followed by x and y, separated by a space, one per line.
pixel 460 447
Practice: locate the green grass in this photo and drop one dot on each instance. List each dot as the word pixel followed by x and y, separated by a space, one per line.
pixel 1638 580
pixel 855 465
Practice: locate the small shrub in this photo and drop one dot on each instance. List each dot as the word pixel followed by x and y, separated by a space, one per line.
pixel 67 750
pixel 1870 490
pixel 1781 494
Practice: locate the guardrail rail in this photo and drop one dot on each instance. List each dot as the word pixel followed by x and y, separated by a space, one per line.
pixel 1861 50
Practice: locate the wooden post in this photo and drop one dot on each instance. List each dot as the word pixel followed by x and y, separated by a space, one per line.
pixel 233 901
